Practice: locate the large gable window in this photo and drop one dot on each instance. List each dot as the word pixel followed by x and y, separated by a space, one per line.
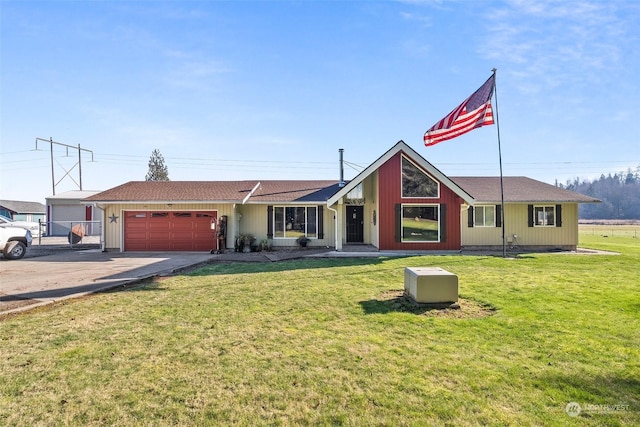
pixel 417 183
pixel 420 223
pixel 291 222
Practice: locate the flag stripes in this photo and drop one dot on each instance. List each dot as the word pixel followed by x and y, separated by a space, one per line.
pixel 473 113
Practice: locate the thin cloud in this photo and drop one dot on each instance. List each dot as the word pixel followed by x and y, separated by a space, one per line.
pixel 424 21
pixel 195 74
pixel 557 42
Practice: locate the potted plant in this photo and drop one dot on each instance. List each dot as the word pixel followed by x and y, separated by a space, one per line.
pixel 265 245
pixel 245 241
pixel 302 241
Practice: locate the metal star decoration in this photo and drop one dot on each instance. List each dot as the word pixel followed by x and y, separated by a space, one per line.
pixel 113 218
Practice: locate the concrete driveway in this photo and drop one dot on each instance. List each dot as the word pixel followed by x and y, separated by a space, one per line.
pixel 42 280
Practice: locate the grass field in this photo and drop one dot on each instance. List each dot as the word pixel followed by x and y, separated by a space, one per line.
pixel 331 342
pixel 611 230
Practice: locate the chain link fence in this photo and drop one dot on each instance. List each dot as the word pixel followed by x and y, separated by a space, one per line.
pixel 72 233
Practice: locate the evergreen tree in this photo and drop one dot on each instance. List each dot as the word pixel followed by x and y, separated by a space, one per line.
pixel 619 193
pixel 157 169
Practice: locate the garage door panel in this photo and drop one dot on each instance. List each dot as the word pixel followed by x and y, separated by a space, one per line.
pixel 182 227
pixel 169 231
pixel 137 235
pixel 159 225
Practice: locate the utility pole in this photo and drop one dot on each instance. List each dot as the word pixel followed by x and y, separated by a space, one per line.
pixel 79 163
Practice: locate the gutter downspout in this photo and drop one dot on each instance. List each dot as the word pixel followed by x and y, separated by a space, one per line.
pixel 103 242
pixel 335 227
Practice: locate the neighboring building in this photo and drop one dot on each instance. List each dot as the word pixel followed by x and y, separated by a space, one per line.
pixel 22 211
pixel 69 208
pixel 399 202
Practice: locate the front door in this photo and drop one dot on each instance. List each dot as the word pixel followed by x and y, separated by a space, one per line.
pixel 355 224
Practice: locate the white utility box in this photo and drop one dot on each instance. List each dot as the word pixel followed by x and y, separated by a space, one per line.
pixel 430 284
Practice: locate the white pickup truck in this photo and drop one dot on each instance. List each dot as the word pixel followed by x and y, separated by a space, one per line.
pixel 14 241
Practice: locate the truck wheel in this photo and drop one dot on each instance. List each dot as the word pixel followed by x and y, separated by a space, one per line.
pixel 15 250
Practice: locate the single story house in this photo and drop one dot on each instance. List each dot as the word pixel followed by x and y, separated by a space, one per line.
pixel 64 210
pixel 22 211
pixel 399 202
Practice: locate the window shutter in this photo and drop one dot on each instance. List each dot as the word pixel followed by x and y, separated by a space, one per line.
pixel 398 210
pixel 558 215
pixel 270 222
pixel 498 215
pixel 470 217
pixel 320 222
pixel 443 223
pixel 530 208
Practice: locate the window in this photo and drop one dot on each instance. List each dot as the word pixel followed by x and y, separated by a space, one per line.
pixel 355 196
pixel 485 216
pixel 416 183
pixel 420 223
pixel 295 221
pixel 544 216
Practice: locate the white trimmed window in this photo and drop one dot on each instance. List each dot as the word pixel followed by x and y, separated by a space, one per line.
pixel 544 216
pixel 484 216
pixel 420 223
pixel 416 183
pixel 291 222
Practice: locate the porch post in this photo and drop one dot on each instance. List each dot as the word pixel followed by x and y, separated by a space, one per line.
pixel 339 224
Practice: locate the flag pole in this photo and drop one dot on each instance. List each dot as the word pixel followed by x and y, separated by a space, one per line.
pixel 495 92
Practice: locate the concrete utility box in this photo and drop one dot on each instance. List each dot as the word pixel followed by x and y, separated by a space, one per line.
pixel 430 284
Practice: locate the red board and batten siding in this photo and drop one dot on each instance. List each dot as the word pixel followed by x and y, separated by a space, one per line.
pixel 390 194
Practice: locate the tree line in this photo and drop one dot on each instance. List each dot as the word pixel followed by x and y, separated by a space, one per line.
pixel 619 194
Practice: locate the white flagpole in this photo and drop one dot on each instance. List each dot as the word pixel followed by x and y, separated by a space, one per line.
pixel 495 92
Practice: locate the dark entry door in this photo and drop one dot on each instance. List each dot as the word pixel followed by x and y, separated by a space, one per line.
pixel 355 224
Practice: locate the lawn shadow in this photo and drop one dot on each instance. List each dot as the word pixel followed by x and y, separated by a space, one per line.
pixel 223 268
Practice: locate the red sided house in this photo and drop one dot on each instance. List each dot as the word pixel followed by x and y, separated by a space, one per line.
pixel 399 202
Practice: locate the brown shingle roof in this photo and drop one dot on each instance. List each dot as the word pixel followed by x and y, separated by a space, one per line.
pixel 482 189
pixel 517 189
pixel 218 191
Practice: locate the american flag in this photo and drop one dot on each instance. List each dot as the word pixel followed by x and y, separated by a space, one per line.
pixel 473 113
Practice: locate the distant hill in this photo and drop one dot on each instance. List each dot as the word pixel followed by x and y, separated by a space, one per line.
pixel 620 195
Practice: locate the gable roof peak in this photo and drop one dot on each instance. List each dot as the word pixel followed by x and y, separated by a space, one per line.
pixel 401 147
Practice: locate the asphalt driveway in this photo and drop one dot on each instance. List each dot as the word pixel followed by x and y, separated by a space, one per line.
pixel 42 280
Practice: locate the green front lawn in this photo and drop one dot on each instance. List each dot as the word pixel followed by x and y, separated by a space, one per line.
pixel 329 342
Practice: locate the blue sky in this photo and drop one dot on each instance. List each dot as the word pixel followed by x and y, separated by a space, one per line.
pixel 272 89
